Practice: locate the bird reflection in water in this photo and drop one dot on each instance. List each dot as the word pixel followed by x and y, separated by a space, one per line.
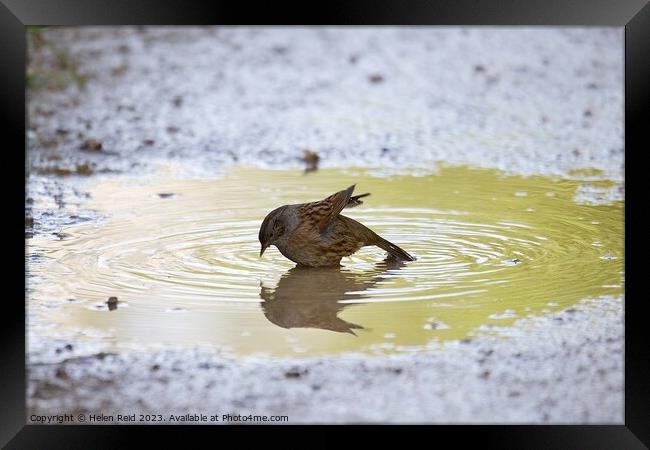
pixel 309 297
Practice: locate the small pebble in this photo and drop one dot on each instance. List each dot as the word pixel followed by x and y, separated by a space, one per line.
pixel 311 160
pixel 91 145
pixel 112 303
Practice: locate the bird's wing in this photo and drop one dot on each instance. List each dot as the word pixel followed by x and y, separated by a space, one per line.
pixel 320 214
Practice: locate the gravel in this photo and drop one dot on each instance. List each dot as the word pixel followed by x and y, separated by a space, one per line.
pixel 523 100
pixel 566 367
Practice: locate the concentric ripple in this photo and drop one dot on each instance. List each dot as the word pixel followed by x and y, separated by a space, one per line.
pixel 186 268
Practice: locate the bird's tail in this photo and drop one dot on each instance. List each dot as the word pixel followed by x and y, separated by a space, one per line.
pixel 393 249
pixel 354 201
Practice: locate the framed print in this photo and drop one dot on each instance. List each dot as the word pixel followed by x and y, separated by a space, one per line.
pixel 380 215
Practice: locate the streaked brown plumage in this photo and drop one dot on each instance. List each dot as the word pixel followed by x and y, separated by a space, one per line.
pixel 316 234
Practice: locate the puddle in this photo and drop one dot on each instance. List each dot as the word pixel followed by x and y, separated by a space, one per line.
pixel 187 263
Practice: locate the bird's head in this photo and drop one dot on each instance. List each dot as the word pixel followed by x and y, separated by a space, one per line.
pixel 273 227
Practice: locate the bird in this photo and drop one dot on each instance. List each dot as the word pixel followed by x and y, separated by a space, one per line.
pixel 315 234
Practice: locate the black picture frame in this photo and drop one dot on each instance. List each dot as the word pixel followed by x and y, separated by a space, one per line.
pixel 634 15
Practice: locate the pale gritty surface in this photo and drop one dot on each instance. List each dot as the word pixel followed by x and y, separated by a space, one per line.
pixel 569 371
pixel 528 100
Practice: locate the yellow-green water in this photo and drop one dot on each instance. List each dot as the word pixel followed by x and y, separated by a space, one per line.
pixel 186 269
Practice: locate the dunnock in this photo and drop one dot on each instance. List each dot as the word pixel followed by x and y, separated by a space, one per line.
pixel 315 234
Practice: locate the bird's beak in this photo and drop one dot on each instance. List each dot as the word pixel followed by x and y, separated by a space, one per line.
pixel 264 247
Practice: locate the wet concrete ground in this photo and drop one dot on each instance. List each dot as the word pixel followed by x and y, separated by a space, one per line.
pixel 532 101
pixel 570 371
pixel 524 100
